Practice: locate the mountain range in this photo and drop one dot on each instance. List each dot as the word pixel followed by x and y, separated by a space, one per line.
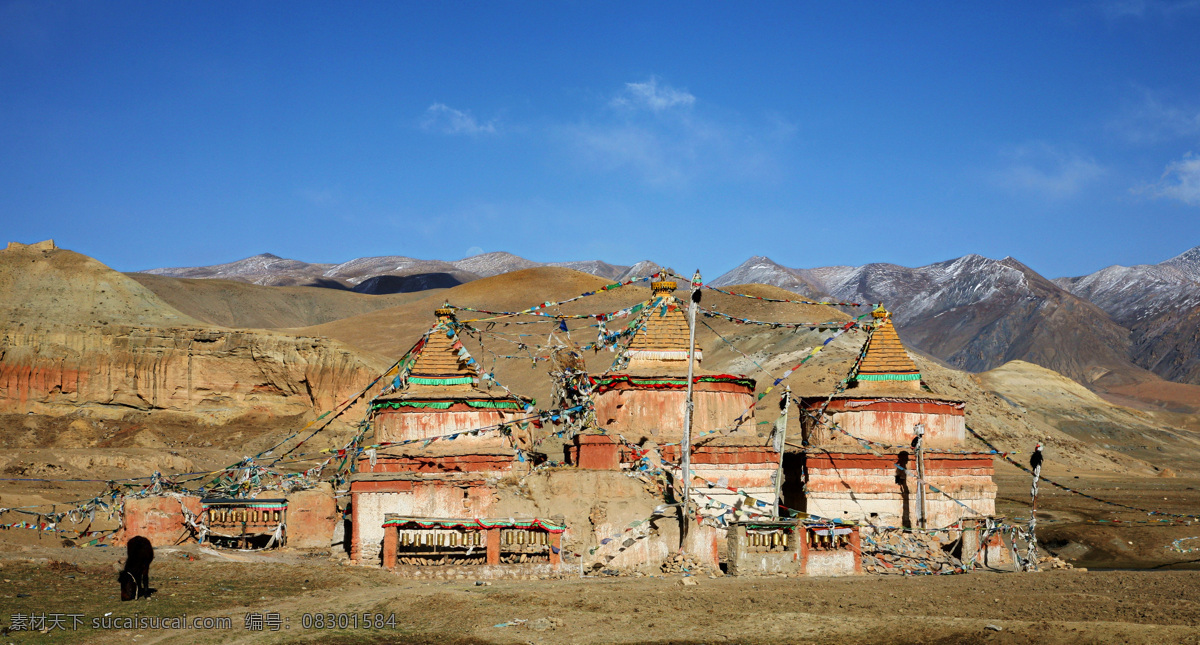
pixel 1110 330
pixel 389 273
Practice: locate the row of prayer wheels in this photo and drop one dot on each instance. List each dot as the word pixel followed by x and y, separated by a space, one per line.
pixel 239 515
pixel 826 541
pixel 770 541
pixel 442 538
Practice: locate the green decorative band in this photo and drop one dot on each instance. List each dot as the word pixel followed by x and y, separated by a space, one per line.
pixel 437 405
pixel 770 527
pixel 500 405
pixel 445 405
pixel 889 377
pixel 423 380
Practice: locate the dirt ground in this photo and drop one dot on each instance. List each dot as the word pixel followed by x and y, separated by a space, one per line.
pixel 1153 596
pixel 1050 607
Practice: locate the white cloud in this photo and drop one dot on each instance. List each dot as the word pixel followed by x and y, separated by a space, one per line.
pixel 650 95
pixel 1047 171
pixel 445 119
pixel 1181 180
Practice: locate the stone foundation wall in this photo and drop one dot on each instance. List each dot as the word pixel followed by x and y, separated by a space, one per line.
pixel 487 572
pixel 832 563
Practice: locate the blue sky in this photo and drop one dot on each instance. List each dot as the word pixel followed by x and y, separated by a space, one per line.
pixel 152 134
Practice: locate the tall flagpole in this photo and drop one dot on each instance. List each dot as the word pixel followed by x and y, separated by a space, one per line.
pixel 686 445
pixel 780 439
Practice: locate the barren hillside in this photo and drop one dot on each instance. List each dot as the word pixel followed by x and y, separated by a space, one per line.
pixel 232 303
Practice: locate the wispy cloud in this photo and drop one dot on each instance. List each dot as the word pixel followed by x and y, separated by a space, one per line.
pixel 319 196
pixel 1153 119
pixel 1181 180
pixel 664 136
pixel 1047 171
pixel 445 119
pixel 1140 9
pixel 651 96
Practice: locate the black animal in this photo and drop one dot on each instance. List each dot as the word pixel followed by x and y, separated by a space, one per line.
pixel 135 577
pixel 1035 460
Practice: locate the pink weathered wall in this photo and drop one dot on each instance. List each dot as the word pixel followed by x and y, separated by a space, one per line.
pixel 892 428
pixel 658 414
pixel 420 423
pixel 158 519
pixel 311 517
pixel 854 486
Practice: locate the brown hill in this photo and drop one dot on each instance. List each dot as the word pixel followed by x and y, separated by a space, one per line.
pixel 230 303
pixel 43 284
pixel 1055 404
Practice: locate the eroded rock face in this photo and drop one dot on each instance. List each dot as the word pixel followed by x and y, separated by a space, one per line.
pixel 215 373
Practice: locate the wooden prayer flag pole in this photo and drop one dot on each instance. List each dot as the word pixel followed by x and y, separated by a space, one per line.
pixel 686 445
pixel 780 441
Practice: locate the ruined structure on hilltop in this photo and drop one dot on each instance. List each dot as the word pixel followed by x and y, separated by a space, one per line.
pixel 885 408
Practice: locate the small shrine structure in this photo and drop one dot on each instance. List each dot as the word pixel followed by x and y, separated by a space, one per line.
pixel 861 461
pixel 442 443
pixel 639 412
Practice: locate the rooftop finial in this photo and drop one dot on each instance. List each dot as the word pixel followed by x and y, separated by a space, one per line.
pixel 663 287
pixel 445 313
pixel 880 313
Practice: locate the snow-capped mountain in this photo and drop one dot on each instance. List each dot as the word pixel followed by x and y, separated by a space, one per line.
pixel 763 270
pixel 594 267
pixel 487 265
pixel 1144 291
pixel 264 268
pixel 388 273
pixel 641 269
pixel 973 312
pixel 1159 303
pixel 358 271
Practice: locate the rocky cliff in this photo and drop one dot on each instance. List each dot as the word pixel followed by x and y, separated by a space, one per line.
pixel 81 340
pixel 215 374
